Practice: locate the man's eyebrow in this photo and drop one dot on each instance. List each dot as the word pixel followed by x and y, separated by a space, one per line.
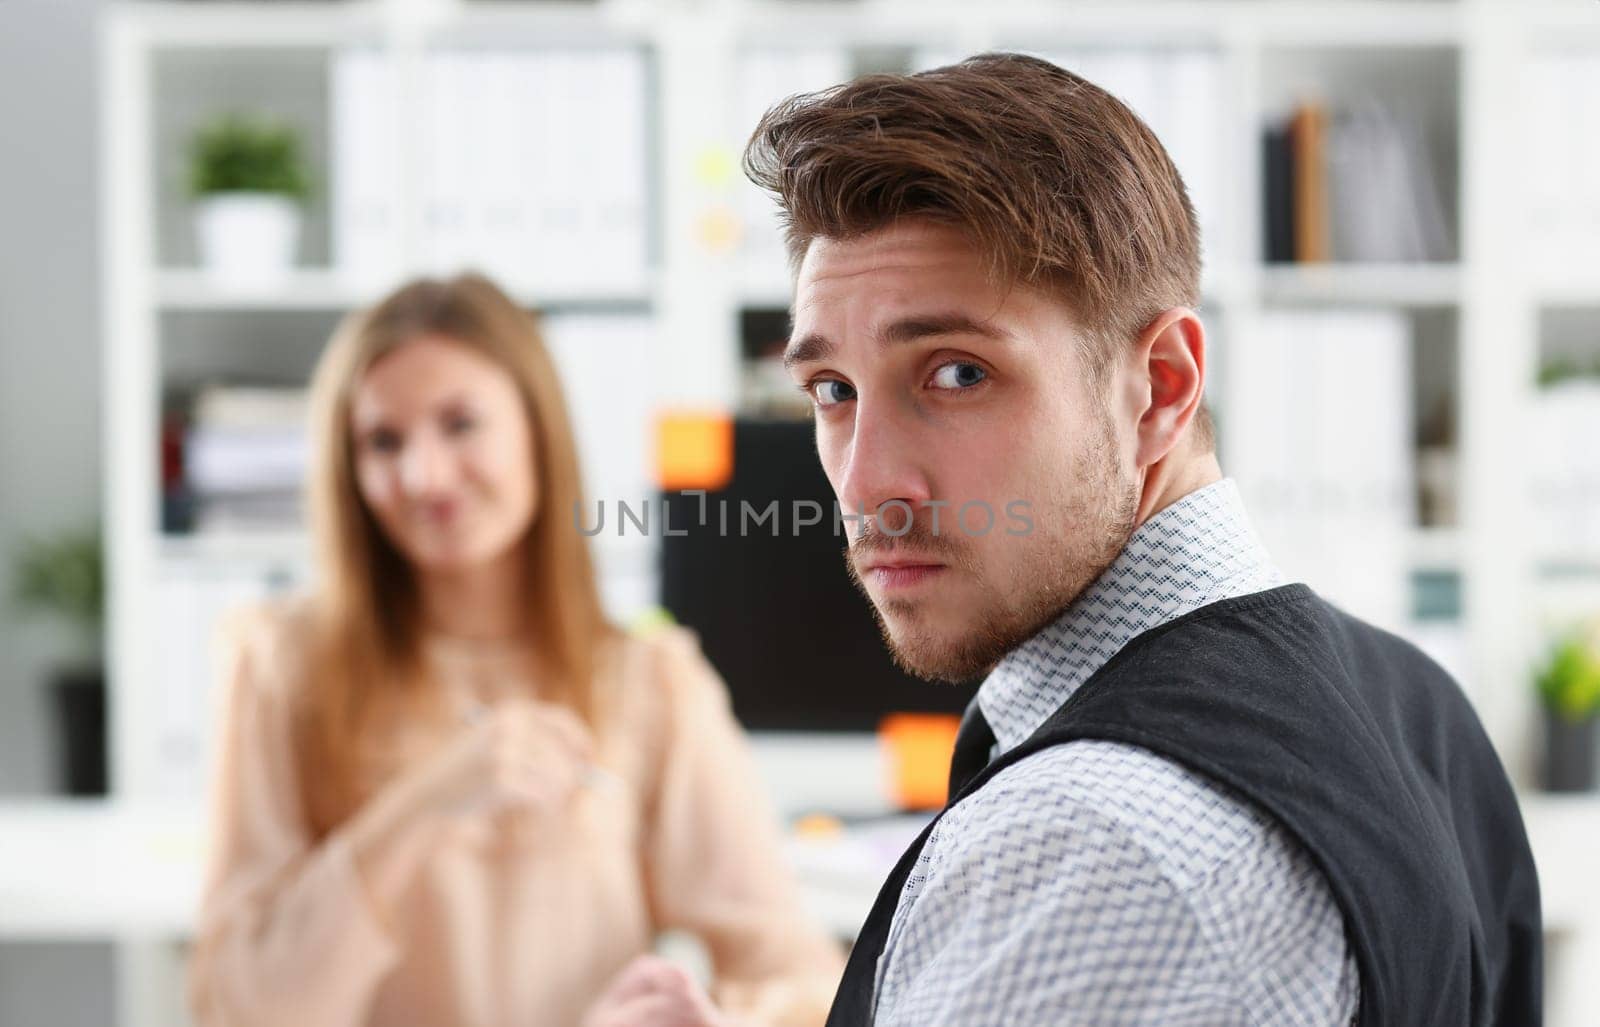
pixel 813 347
pixel 913 328
pixel 807 350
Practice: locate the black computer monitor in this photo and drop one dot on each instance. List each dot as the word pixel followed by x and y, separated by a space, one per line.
pixel 777 614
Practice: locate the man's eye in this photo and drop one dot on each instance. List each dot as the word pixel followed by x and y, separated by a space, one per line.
pixel 830 391
pixel 958 376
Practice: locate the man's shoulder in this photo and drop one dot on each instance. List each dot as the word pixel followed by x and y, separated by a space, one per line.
pixel 1094 798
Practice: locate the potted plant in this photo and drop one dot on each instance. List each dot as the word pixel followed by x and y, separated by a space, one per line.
pixel 64 577
pixel 249 180
pixel 1569 684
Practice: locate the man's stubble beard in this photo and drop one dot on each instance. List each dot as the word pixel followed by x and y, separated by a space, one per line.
pixel 1077 534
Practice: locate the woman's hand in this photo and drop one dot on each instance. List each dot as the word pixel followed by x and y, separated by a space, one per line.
pixel 521 754
pixel 652 992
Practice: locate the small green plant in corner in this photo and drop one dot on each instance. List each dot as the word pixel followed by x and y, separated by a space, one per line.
pixel 237 153
pixel 1559 370
pixel 1569 682
pixel 64 576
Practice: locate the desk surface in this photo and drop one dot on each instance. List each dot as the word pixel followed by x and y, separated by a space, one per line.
pixel 102 870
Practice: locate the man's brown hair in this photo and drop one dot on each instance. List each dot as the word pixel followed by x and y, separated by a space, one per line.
pixel 1055 180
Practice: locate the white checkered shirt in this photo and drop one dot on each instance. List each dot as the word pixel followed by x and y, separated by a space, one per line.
pixel 1098 883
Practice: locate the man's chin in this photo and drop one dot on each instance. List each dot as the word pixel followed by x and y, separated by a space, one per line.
pixel 952 655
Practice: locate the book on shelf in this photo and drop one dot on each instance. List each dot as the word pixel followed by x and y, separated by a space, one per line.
pixel 1353 183
pixel 1277 176
pixel 1308 141
pixel 242 455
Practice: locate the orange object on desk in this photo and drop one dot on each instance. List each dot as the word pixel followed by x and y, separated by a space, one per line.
pixel 919 747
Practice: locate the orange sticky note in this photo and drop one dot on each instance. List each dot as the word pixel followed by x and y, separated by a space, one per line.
pixel 694 450
pixel 920 746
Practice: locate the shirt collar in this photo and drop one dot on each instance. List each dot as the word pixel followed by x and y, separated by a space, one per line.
pixel 1197 551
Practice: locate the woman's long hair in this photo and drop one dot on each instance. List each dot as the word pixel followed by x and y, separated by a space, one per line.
pixel 366 608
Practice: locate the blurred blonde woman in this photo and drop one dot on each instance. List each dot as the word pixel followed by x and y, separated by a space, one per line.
pixel 450 791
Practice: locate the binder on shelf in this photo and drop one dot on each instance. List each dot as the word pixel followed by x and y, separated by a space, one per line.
pixel 503 231
pixel 1384 202
pixel 1194 134
pixel 366 194
pixel 1331 490
pixel 1564 467
pixel 446 126
pixel 620 215
pixel 1562 94
pixel 556 190
pixel 191 660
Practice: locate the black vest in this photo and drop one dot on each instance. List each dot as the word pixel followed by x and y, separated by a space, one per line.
pixel 1367 752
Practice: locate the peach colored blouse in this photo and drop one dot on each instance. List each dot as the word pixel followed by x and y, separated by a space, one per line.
pixel 512 919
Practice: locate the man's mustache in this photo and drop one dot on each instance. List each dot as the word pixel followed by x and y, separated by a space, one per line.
pixel 918 538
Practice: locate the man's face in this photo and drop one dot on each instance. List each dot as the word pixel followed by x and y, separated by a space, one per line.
pixel 933 386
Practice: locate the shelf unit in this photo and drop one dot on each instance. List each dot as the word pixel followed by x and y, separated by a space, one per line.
pixel 1487 299
pixel 191 289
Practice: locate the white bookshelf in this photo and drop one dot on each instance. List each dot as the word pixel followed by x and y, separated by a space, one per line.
pixel 1459 57
pixel 1383 285
pixel 316 290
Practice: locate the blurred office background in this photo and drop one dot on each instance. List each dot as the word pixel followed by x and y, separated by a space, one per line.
pixel 1402 228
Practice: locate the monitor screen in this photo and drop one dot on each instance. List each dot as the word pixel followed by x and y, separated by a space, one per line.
pixel 775 609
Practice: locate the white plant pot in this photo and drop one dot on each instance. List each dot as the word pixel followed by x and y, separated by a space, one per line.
pixel 248 239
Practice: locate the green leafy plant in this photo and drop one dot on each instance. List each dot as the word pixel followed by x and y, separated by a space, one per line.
pixel 1569 682
pixel 1563 369
pixel 237 153
pixel 64 576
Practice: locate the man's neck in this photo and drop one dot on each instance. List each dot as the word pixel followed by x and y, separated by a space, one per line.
pixel 1197 549
pixel 1173 477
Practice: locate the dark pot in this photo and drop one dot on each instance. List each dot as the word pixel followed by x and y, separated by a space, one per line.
pixel 1569 752
pixel 79 695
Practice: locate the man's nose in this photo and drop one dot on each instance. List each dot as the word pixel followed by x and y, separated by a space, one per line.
pixel 885 465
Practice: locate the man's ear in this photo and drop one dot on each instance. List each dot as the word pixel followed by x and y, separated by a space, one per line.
pixel 1170 371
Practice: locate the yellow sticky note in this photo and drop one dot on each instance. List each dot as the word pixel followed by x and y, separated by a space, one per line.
pixel 713 165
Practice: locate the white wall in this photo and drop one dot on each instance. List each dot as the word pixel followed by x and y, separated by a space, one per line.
pixel 49 418
pixel 49 335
